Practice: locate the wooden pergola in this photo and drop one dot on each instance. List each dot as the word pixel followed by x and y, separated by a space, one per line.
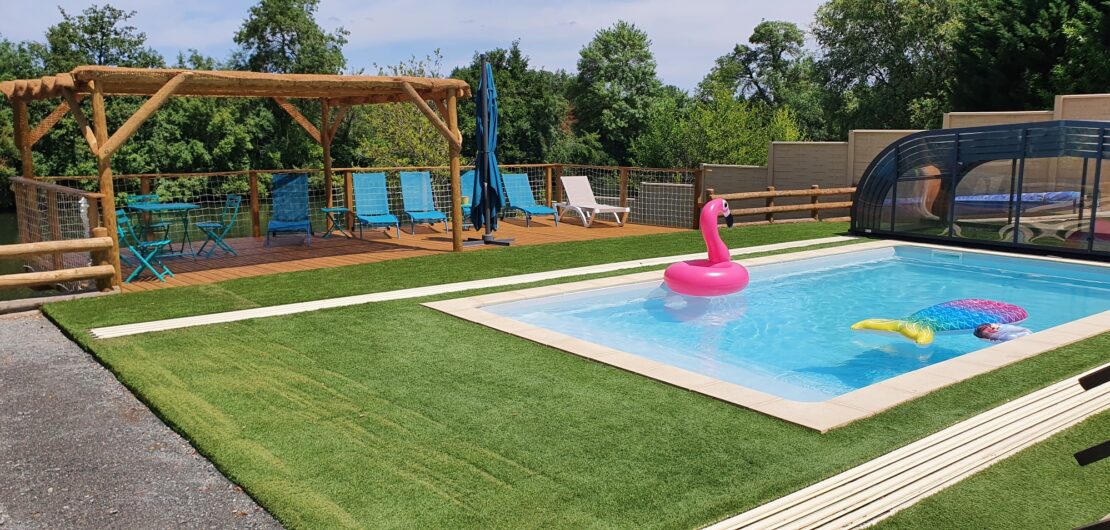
pixel 336 92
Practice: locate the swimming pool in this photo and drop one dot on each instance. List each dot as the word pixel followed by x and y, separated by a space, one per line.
pixel 787 336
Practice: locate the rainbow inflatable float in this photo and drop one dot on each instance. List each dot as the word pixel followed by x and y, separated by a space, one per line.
pixel 957 315
pixel 716 276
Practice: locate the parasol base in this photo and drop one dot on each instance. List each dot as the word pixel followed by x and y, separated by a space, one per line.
pixel 487 239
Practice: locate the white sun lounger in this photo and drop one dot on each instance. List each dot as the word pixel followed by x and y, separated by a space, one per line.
pixel 580 199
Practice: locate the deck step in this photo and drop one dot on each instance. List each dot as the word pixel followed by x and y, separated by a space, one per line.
pixel 877 489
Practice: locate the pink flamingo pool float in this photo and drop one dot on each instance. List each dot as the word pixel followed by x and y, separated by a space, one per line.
pixel 716 276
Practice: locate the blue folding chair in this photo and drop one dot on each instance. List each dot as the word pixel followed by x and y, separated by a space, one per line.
pixel 372 202
pixel 216 231
pixel 144 252
pixel 419 204
pixel 519 193
pixel 146 226
pixel 290 207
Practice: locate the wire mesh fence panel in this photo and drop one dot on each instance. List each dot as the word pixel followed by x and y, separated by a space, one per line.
pixel 55 214
pixel 605 181
pixel 661 197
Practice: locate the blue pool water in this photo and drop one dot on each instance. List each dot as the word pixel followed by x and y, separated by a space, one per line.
pixel 788 333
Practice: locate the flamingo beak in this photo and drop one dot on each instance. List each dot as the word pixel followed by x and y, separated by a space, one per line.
pixel 728 219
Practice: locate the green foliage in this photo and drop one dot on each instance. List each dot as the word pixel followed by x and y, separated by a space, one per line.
pixel 100 36
pixel 775 71
pixel 886 63
pixel 282 37
pixel 398 134
pixel 718 129
pixel 615 88
pixel 1016 54
pixel 531 105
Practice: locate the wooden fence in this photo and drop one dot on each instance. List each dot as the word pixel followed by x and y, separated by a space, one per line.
pixel 101 268
pixel 815 206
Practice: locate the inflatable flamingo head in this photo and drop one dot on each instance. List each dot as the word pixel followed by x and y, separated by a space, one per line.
pixel 714 209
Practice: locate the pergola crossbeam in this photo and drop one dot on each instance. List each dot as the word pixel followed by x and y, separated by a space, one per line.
pixel 304 122
pixel 49 122
pixel 136 120
pixel 335 121
pixel 73 101
pixel 455 141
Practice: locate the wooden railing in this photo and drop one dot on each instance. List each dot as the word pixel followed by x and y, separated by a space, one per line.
pixel 815 206
pixel 101 269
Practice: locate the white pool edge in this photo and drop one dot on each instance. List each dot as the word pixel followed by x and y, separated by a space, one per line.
pixel 822 416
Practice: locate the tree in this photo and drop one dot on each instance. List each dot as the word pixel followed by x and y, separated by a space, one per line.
pixel 775 71
pixel 282 36
pixel 531 105
pixel 398 134
pixel 886 64
pixel 1016 55
pixel 718 129
pixel 615 87
pixel 100 36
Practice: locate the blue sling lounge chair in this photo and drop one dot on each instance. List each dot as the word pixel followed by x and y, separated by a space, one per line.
pixel 372 202
pixel 416 194
pixel 521 199
pixel 290 207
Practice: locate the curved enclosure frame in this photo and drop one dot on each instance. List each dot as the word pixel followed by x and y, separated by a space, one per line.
pixel 1028 186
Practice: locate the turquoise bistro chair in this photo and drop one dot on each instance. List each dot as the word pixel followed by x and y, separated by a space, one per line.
pixel 145 253
pixel 216 231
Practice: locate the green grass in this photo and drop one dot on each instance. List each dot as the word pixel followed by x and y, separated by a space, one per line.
pixel 395 415
pixel 1041 487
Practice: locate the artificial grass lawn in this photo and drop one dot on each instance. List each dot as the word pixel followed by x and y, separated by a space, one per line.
pixel 395 415
pixel 1041 487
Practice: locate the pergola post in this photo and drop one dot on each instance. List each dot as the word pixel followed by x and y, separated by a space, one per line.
pixel 456 193
pixel 325 142
pixel 104 171
pixel 20 124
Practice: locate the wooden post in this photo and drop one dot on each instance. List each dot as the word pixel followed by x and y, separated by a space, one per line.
pixel 21 134
pixel 144 188
pixel 547 186
pixel 770 203
pixel 349 198
pixel 55 224
pixel 94 213
pixel 456 193
pixel 623 173
pixel 699 183
pixel 325 142
pixel 104 169
pixel 102 257
pixel 256 216
pixel 813 201
pixel 558 183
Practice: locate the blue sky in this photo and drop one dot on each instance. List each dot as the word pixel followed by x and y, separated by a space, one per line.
pixel 687 35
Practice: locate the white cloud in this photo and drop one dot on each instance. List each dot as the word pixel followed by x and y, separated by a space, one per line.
pixel 687 36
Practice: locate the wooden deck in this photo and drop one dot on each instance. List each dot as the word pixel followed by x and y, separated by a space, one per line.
pixel 288 253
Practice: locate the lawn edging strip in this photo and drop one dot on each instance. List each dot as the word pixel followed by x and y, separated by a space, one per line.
pixel 315 305
pixel 877 489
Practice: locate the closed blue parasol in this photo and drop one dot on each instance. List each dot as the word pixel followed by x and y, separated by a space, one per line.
pixel 487 195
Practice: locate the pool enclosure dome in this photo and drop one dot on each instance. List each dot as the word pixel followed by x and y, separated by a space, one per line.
pixel 1033 187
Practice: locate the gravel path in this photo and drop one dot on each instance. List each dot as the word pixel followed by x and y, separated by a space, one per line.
pixel 77 450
